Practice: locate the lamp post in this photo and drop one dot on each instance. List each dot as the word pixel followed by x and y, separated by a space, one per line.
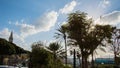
pixel 74 59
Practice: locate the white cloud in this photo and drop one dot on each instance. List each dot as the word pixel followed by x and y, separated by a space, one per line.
pixel 112 18
pixel 4 33
pixel 47 21
pixel 68 7
pixel 104 3
pixel 44 23
pixel 26 29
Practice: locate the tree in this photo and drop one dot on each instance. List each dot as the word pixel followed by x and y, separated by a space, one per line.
pixel 42 57
pixel 81 30
pixel 116 44
pixel 39 57
pixel 96 53
pixel 5 49
pixel 9 48
pixel 57 51
pixel 62 33
pixel 54 47
pixel 76 53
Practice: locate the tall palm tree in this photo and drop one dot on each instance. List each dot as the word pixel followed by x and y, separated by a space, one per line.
pixel 62 34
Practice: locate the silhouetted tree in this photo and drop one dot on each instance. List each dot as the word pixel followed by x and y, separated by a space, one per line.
pixel 6 48
pixel 116 44
pixel 86 35
pixel 62 34
pixel 9 48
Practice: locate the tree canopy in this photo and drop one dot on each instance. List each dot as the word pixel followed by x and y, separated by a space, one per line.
pixel 40 57
pixel 8 48
pixel 86 35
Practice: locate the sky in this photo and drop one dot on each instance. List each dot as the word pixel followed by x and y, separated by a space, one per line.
pixel 37 20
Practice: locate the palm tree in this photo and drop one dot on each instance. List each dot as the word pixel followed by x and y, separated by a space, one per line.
pixel 62 33
pixel 54 47
pixel 79 29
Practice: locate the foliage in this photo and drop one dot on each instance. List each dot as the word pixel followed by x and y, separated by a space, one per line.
pixel 115 44
pixel 19 50
pixel 56 49
pixel 86 35
pixel 54 46
pixel 62 34
pixel 41 57
pixel 6 48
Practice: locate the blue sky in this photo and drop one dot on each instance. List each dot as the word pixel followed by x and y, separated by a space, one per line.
pixel 37 20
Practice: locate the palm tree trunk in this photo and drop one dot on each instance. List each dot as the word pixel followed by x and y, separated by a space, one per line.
pixel 92 62
pixel 84 62
pixel 65 51
pixel 1 60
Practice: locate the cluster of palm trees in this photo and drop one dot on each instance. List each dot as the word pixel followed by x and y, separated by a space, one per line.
pixel 81 32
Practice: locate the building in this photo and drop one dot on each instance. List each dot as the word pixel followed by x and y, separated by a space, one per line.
pixel 11 37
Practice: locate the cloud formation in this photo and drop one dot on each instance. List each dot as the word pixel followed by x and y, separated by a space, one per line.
pixel 112 18
pixel 68 7
pixel 44 23
pixel 104 3
pixel 4 33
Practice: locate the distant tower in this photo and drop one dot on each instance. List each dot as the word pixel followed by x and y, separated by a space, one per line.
pixel 11 37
